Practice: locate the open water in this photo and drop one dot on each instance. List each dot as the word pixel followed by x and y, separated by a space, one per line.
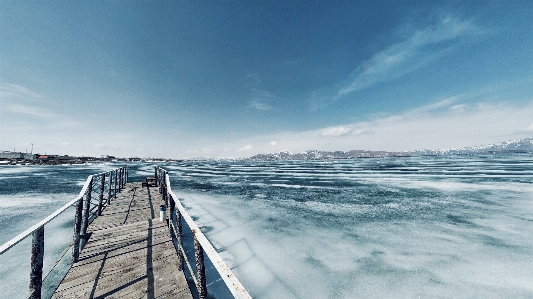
pixel 420 227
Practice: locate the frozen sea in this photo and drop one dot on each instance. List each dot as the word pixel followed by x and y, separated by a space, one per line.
pixel 419 227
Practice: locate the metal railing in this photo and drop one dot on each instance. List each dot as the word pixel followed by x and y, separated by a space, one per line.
pixel 89 204
pixel 201 243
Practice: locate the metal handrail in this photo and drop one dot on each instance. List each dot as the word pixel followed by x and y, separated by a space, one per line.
pixel 231 281
pixel 6 246
pixel 37 230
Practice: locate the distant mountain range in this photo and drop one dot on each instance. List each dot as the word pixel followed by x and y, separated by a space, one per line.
pixel 510 146
pixel 506 147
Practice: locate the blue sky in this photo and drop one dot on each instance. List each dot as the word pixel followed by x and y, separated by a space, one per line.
pixel 180 79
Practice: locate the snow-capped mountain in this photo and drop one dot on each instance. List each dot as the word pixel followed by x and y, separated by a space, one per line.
pixel 506 147
pixel 510 146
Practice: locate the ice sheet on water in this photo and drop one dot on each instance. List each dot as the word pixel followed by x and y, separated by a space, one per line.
pixel 432 227
pixel 7 170
pixel 276 256
pixel 25 201
pixel 374 234
pixel 15 264
pixel 19 212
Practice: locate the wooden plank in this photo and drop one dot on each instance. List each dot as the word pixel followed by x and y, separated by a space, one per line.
pixel 130 253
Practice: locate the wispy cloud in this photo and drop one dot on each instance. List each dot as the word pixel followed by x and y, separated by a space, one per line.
pixel 246 148
pixel 274 143
pixel 16 91
pixel 34 111
pixel 453 122
pixel 345 130
pixel 33 118
pixel 422 47
pixel 257 104
pixel 416 50
pixel 363 132
pixel 260 98
pixel 525 130
pixel 204 150
pixel 336 131
pixel 255 79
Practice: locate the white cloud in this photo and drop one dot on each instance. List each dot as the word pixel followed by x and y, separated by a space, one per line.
pixel 416 50
pixel 259 97
pixel 31 110
pixel 16 91
pixel 442 104
pixel 526 130
pixel 336 131
pixel 246 148
pixel 273 143
pixel 364 132
pixel 435 126
pixel 259 105
pixel 411 54
pixel 256 80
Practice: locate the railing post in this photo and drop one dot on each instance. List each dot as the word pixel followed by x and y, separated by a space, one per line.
pixel 163 194
pixel 101 199
pixel 178 236
pixel 109 189
pixel 163 181
pixel 167 199
pixel 86 211
pixel 200 268
pixel 77 227
pixel 156 177
pixel 159 180
pixel 116 183
pixel 171 209
pixel 119 179
pixel 123 177
pixel 37 255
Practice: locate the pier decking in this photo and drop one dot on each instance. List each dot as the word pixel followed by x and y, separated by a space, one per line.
pixel 129 254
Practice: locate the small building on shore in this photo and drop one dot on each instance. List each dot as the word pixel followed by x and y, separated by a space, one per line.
pixel 16 156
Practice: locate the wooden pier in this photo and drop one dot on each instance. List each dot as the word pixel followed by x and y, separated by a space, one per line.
pixel 122 247
pixel 129 253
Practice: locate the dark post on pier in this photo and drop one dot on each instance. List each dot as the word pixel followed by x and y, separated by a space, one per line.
pixel 37 254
